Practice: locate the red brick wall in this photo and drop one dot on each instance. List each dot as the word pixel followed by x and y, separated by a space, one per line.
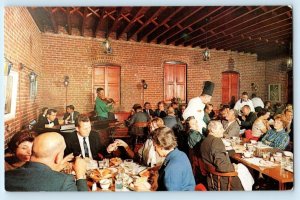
pixel 54 56
pixel 22 44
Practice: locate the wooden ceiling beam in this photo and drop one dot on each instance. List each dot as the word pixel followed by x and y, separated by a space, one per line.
pixel 140 12
pixel 269 22
pixel 243 19
pixel 95 12
pixel 200 29
pixel 142 35
pixel 85 13
pixel 238 20
pixel 54 24
pixel 98 23
pixel 116 22
pixel 175 24
pixel 69 24
pixel 146 23
pixel 203 15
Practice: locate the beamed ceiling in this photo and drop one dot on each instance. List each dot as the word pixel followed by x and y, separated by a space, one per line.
pixel 264 30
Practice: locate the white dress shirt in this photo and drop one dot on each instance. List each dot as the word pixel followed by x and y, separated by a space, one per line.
pixel 256 101
pixel 80 138
pixel 238 105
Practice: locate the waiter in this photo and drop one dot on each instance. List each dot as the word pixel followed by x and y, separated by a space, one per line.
pixel 196 105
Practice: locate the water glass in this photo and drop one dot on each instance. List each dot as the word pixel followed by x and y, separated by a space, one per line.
pixel 106 163
pixel 101 164
pixel 266 156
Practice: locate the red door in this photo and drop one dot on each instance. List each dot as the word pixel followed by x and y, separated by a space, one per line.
pixel 230 86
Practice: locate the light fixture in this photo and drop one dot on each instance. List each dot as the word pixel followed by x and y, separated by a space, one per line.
pixel 289 61
pixel 107 46
pixel 66 81
pixel 144 84
pixel 7 67
pixel 206 53
pixel 32 77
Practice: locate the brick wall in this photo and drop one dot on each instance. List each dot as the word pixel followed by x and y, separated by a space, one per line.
pixel 22 44
pixel 54 56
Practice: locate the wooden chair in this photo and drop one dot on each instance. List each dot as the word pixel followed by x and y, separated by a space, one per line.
pixel 140 130
pixel 212 171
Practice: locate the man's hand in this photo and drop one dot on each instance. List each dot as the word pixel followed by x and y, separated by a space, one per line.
pixel 80 168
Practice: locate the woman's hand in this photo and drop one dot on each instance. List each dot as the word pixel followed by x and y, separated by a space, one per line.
pixel 121 143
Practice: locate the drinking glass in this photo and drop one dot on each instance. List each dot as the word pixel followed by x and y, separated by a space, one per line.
pixel 101 164
pixel 266 156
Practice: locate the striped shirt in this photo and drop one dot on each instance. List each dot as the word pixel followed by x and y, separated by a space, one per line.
pixel 276 139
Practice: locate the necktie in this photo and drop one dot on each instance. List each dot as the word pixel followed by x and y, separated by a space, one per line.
pixel 86 149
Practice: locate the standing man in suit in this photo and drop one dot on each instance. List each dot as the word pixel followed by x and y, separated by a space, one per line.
pixel 71 115
pixel 147 109
pixel 50 119
pixel 84 141
pixel 41 173
pixel 196 105
pixel 231 125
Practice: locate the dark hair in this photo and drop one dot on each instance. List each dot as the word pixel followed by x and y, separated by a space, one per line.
pixel 20 137
pixel 99 89
pixel 146 103
pixel 138 108
pixel 82 118
pixel 135 106
pixel 174 103
pixel 71 107
pixel 44 108
pixel 165 138
pixel 50 111
pixel 245 93
pixel 161 102
pixel 253 95
pixel 262 112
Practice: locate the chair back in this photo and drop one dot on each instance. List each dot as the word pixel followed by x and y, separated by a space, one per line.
pixel 212 171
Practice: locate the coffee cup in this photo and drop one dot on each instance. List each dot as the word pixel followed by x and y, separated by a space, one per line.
pixel 105 183
pixel 247 154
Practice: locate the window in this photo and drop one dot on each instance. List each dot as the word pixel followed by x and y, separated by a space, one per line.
pixel 174 81
pixel 108 77
pixel 230 86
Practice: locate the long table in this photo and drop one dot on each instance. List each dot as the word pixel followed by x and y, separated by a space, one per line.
pixel 277 172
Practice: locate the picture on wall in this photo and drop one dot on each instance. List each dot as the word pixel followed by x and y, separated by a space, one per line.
pixel 274 92
pixel 11 85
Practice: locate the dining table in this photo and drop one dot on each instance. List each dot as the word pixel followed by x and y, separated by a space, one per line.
pixel 282 173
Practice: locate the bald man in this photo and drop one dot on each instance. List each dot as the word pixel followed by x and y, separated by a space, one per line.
pixel 41 173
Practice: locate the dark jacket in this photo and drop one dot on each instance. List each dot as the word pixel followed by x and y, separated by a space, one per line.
pixel 248 123
pixel 73 146
pixel 151 112
pixel 35 176
pixel 213 152
pixel 139 117
pixel 161 114
pixel 43 121
pixel 75 116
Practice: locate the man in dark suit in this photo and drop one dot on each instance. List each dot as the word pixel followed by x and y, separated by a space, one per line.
pixel 84 141
pixel 49 120
pixel 41 173
pixel 147 109
pixel 231 126
pixel 247 119
pixel 71 115
pixel 213 152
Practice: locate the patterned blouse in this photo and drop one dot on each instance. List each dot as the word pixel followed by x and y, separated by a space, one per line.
pixel 276 139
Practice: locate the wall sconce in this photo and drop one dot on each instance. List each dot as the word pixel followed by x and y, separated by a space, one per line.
pixel 66 81
pixel 254 87
pixel 32 77
pixel 206 54
pixel 107 46
pixel 7 67
pixel 144 84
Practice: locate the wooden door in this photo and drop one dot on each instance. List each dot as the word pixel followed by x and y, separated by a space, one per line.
pixel 174 82
pixel 230 86
pixel 108 77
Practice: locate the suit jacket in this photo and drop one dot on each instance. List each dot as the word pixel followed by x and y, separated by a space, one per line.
pixel 248 123
pixel 213 152
pixel 73 146
pixel 151 112
pixel 160 114
pixel 44 121
pixel 233 130
pixel 34 176
pixel 75 116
